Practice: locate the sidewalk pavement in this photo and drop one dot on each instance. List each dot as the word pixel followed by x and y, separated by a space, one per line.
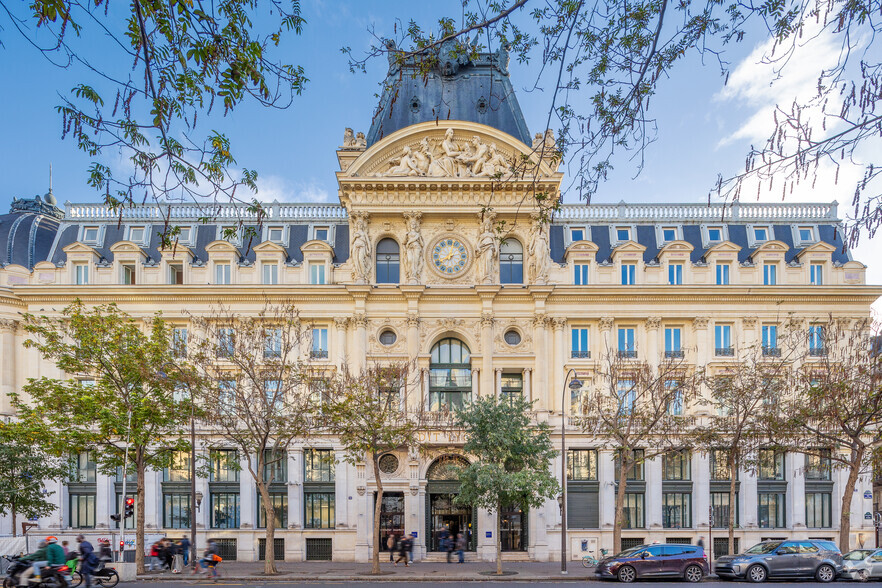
pixel 326 571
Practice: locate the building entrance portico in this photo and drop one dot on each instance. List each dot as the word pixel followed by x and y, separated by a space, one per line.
pixel 442 512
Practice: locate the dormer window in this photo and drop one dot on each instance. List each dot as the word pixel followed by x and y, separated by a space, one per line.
pixel 230 234
pixel 136 234
pixel 806 234
pixel 577 234
pixel 90 235
pixel 321 234
pixel 623 234
pixel 760 234
pixel 714 234
pixel 184 234
pixel 81 273
pixel 275 234
pixel 669 234
pixel 128 275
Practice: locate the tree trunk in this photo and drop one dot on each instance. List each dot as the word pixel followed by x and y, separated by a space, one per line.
pixel 854 470
pixel 269 513
pixel 140 468
pixel 499 538
pixel 733 484
pixel 620 506
pixel 378 509
pixel 13 513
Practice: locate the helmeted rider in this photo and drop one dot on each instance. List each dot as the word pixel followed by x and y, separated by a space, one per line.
pixel 39 559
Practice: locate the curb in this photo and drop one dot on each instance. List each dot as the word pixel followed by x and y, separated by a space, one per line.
pixel 393 577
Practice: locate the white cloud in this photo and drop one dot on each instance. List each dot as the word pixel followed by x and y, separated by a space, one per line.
pixel 272 187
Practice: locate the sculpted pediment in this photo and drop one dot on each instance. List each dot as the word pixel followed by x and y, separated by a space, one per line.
pixel 449 149
pixel 676 247
pixel 77 247
pixel 127 247
pixel 723 247
pixel 819 247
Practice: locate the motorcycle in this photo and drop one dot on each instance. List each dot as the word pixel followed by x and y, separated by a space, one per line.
pixel 50 576
pixel 101 576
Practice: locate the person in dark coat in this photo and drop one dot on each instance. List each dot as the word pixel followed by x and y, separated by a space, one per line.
pixel 89 560
pixel 185 550
pixel 403 550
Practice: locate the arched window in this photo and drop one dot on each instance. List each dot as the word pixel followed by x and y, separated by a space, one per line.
pixel 450 375
pixel 511 262
pixel 388 262
pixel 447 468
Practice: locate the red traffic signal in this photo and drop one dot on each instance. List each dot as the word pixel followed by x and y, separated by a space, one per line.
pixel 130 501
pixel 122 544
pixel 130 507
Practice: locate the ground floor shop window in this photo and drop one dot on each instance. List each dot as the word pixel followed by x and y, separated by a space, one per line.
pixel 721 510
pixel 633 511
pixel 319 510
pixel 391 518
pixel 82 511
pixel 771 510
pixel 225 510
pixel 280 508
pixel 445 515
pixel 677 510
pixel 176 511
pixel 513 529
pixel 817 510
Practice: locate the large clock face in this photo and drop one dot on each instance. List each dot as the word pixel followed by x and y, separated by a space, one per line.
pixel 450 256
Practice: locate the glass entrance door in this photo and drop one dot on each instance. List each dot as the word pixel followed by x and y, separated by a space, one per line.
pixel 445 514
pixel 513 532
pixel 391 517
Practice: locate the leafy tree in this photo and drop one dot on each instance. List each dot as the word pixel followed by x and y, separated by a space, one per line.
pixel 24 470
pixel 745 404
pixel 255 390
pixel 604 62
pixel 512 463
pixel 366 412
pixel 130 401
pixel 158 69
pixel 835 410
pixel 637 408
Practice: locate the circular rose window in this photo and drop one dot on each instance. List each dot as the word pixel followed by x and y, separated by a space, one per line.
pixel 512 337
pixel 388 463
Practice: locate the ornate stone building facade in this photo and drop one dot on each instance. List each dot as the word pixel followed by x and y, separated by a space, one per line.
pixel 409 266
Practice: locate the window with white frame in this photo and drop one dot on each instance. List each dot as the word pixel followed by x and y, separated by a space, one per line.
pixel 817 346
pixel 579 349
pixel 223 273
pixel 714 234
pixel 627 343
pixel 270 273
pixel 757 235
pixel 805 234
pixel 128 274
pixel 675 274
pixel 226 342
pixel 319 343
pixel 321 233
pixel 722 274
pixel 816 274
pixel 232 234
pixel 670 233
pixel 770 341
pixel 90 235
pixel 577 234
pixel 317 272
pixel 137 234
pixel 275 234
pixel 81 274
pixel 580 274
pixel 675 397
pixel 175 273
pixel 623 234
pixel 770 274
pixel 723 341
pixel 185 235
pixel 179 341
pixel 627 395
pixel 629 274
pixel 673 342
pixel 272 346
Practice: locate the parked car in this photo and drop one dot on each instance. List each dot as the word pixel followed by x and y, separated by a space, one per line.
pixel 862 564
pixel 655 561
pixel 812 558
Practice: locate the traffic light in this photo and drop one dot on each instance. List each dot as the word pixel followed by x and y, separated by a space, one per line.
pixel 115 517
pixel 130 507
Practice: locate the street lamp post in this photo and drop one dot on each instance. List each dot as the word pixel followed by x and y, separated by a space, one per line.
pixel 574 385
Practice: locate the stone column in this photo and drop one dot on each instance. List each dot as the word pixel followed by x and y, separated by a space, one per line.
pixel 487 383
pixel 540 344
pixel 608 345
pixel 528 391
pixel 652 469
pixel 295 493
pixel 704 348
pixel 105 494
pixel 8 363
pixel 339 357
pixel 795 509
pixel 413 349
pixel 748 337
pixel 652 340
pixel 341 490
pixel 606 475
pixel 247 502
pixel 497 382
pixel 748 497
pixel 560 352
pixel 426 403
pixel 700 491
pixel 203 515
pixel 360 350
pixel 476 382
pixel 152 497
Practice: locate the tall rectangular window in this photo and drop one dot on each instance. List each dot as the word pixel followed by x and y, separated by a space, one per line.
pixel 633 511
pixel 580 271
pixel 317 273
pixel 222 274
pixel 128 275
pixel 723 341
pixel 83 468
pixel 224 465
pixel 720 509
pixel 178 469
pixel 580 343
pixel 675 397
pixel 272 392
pixel 719 465
pixel 770 274
pixel 275 466
pixel 770 509
pixel 627 395
pixel 677 510
pixel 582 464
pixel 636 473
pixel 816 274
pixel 512 386
pixel 319 343
pixel 82 511
pixel 81 274
pixel 817 347
pixel 818 465
pixel 175 274
pixel 722 274
pixel 318 465
pixel 676 466
pixel 272 343
pixel 818 510
pixel 629 273
pixel 770 340
pixel 179 341
pixel 226 342
pixel 227 395
pixel 280 510
pixel 675 274
pixel 225 510
pixel 771 464
pixel 627 345
pixel 176 510
pixel 673 342
pixel 319 510
pixel 270 273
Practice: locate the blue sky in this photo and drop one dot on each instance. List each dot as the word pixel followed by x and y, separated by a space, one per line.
pixel 704 126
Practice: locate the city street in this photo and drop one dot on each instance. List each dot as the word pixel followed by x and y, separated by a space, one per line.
pixel 400 583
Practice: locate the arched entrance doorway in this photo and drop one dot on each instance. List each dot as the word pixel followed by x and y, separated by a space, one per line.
pixel 442 512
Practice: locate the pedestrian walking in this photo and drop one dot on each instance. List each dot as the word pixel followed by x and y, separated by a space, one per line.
pixel 410 548
pixel 89 560
pixel 391 541
pixel 185 551
pixel 460 547
pixel 701 542
pixel 403 551
pixel 451 546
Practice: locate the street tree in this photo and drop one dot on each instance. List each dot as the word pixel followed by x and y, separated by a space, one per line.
pixel 255 388
pixel 745 402
pixel 637 408
pixel 601 65
pixel 119 398
pixel 149 73
pixel 512 458
pixel 834 414
pixel 24 471
pixel 367 412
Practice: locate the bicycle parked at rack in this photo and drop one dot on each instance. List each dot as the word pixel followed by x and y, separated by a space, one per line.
pixel 589 561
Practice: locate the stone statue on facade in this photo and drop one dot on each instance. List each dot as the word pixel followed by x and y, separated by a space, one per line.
pixel 488 251
pixel 444 163
pixel 360 141
pixel 447 159
pixel 348 138
pixel 361 251
pixel 413 247
pixel 538 249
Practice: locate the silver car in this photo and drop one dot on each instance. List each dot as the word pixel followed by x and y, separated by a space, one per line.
pixel 862 564
pixel 812 558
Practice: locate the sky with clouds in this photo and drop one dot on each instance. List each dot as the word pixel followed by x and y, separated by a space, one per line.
pixel 705 125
